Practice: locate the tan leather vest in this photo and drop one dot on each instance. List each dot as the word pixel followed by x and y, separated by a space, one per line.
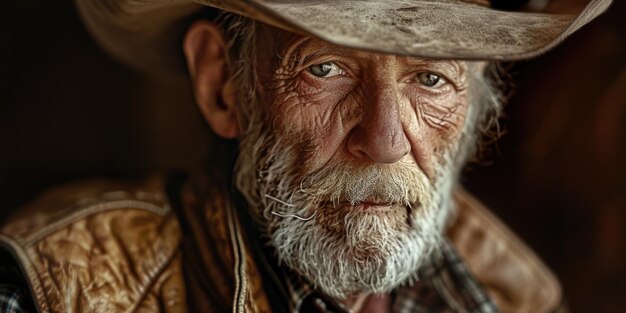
pixel 105 246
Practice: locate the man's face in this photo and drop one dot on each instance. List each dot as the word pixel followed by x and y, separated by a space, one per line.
pixel 349 167
pixel 363 107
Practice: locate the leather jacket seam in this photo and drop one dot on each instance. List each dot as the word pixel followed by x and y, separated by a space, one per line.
pixel 157 274
pixel 525 252
pixel 240 264
pixel 26 266
pixel 96 208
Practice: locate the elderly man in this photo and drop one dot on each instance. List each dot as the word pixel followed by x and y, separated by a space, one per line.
pixel 336 190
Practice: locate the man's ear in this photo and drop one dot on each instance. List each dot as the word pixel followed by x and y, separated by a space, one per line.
pixel 215 94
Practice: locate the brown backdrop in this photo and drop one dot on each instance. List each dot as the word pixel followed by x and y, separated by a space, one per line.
pixel 67 111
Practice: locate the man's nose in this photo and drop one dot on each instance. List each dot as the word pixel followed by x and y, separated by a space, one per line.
pixel 379 136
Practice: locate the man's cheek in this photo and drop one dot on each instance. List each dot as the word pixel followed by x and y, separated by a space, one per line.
pixel 308 105
pixel 445 115
pixel 433 124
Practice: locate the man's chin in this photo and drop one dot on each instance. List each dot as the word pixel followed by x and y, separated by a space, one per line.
pixel 358 249
pixel 364 221
pixel 363 269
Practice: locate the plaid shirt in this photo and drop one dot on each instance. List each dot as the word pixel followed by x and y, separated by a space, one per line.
pixel 13 293
pixel 445 285
pixel 11 298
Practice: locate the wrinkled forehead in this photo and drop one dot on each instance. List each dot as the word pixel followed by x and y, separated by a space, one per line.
pixel 277 46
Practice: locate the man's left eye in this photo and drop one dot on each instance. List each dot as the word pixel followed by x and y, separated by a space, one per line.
pixel 430 79
pixel 328 69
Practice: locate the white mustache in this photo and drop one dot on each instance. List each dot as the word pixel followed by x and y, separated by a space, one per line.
pixel 354 184
pixel 398 183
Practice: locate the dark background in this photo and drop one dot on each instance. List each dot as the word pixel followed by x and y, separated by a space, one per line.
pixel 557 177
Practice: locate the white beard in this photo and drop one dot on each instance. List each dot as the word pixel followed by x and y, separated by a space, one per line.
pixel 343 252
pixel 340 250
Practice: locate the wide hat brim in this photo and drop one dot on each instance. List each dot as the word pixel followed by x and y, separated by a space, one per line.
pixel 148 33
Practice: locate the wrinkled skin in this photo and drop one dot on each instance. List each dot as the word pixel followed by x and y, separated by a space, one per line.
pixel 374 110
pixel 382 126
pixel 367 109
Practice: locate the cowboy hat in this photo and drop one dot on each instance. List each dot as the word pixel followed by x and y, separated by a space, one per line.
pixel 144 32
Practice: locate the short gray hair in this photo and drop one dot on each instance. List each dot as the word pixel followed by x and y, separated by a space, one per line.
pixel 241 45
pixel 486 101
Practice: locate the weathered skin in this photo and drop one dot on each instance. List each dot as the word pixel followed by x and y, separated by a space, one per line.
pixel 371 108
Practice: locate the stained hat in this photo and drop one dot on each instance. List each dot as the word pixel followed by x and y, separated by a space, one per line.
pixel 148 33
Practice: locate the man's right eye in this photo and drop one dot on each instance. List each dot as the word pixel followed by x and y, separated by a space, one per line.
pixel 430 79
pixel 328 69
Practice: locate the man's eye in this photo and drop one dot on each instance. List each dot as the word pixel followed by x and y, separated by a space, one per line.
pixel 328 69
pixel 430 79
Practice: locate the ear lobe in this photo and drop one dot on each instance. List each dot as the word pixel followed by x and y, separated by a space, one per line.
pixel 213 88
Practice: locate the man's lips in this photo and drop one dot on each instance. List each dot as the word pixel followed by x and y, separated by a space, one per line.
pixel 361 206
pixel 373 205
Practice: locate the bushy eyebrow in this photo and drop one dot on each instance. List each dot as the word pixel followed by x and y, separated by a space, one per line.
pixel 291 51
pixel 455 64
pixel 297 49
